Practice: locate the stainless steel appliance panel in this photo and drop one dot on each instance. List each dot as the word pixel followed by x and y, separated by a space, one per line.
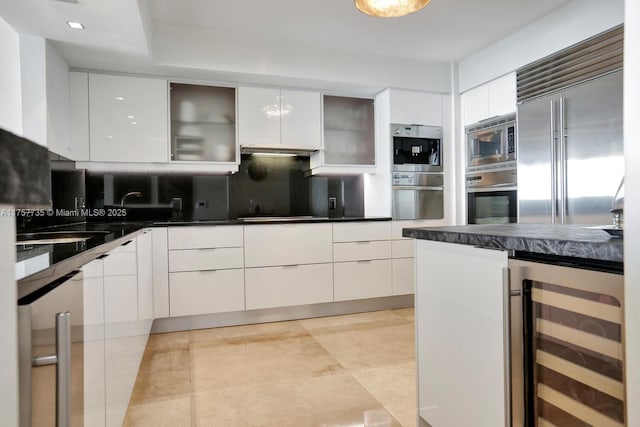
pixel 415 202
pixel 51 354
pixel 570 158
pixel 594 162
pixel 537 124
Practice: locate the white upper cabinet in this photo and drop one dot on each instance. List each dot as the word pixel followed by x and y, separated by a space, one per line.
pixel 503 95
pixel 274 118
pixel 128 119
pixel 417 108
pixel 495 98
pixel 78 116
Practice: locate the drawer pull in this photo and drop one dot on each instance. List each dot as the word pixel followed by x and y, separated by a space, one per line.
pixel 363 243
pixel 126 243
pixel 291 266
pixel 364 261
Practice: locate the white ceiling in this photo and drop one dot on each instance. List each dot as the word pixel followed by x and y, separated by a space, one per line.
pixel 246 39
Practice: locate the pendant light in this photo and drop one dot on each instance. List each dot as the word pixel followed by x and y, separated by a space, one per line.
pixel 390 8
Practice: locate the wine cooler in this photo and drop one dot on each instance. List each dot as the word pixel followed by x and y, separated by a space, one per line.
pixel 569 347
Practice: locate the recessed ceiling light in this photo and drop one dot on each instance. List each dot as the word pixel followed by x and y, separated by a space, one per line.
pixel 75 25
pixel 133 123
pixel 119 98
pixel 130 117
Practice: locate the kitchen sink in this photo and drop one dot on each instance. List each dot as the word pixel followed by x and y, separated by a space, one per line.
pixel 49 237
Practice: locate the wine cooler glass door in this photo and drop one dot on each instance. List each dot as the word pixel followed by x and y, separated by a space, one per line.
pixel 573 346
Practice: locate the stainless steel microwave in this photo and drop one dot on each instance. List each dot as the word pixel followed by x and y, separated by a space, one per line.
pixel 492 142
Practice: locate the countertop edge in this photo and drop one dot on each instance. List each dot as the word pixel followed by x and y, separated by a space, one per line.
pixel 598 248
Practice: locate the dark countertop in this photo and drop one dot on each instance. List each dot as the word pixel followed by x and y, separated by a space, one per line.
pixel 269 220
pixel 566 240
pixel 64 258
pixel 25 176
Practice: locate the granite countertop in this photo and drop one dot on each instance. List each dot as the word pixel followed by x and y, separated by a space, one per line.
pixel 567 240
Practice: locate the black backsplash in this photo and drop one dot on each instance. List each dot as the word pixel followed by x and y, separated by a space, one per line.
pixel 263 186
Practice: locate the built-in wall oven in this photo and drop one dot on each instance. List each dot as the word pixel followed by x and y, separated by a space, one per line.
pixel 417 172
pixel 566 343
pixel 492 197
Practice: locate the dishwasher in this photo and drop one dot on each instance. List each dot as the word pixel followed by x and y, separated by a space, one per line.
pixel 51 354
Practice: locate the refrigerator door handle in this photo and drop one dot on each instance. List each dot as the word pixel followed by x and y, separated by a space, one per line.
pixel 562 162
pixel 554 166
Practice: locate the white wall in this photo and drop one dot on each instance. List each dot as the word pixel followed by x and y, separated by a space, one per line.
pixel 566 26
pixel 34 88
pixel 10 100
pixel 632 206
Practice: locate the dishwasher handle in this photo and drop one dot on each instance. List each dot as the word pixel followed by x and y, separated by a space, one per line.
pixel 62 360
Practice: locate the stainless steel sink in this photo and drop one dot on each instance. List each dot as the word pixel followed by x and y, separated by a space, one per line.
pixel 49 237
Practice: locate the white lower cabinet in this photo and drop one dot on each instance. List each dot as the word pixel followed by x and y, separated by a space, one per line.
pixel 94 358
pixel 204 292
pixel 362 279
pixel 282 286
pixel 460 334
pixel 127 296
pixel 403 270
pixel 206 270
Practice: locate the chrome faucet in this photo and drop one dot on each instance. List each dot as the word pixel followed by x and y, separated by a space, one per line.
pixel 131 193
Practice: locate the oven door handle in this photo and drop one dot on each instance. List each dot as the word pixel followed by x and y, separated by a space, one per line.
pixel 418 187
pixel 485 188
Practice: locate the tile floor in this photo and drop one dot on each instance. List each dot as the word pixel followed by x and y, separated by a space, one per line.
pixel 351 370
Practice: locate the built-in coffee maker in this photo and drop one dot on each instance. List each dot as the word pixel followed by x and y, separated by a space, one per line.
pixel 416 176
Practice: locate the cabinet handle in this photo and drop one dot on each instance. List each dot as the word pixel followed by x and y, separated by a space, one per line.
pixel 362 243
pixel 103 256
pixel 62 360
pixel 364 261
pixel 292 266
pixel 126 243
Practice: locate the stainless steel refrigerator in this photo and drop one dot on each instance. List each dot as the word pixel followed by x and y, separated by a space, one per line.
pixel 570 153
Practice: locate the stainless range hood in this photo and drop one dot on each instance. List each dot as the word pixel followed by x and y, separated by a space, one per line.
pixel 278 150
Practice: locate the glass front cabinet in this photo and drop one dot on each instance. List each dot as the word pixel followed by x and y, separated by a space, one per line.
pixel 203 124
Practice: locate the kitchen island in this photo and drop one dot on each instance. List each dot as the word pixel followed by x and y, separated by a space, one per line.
pixel 469 320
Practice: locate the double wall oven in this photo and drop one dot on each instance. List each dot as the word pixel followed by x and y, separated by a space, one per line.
pixel 491 176
pixel 417 175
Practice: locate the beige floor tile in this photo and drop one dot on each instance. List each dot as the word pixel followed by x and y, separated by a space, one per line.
pixel 163 374
pixel 336 400
pixel 348 319
pixel 394 386
pixel 406 313
pixel 168 341
pixel 220 363
pixel 160 413
pixel 370 344
pixel 249 333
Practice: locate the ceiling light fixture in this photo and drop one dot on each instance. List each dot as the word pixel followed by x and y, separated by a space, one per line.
pixel 390 8
pixel 75 25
